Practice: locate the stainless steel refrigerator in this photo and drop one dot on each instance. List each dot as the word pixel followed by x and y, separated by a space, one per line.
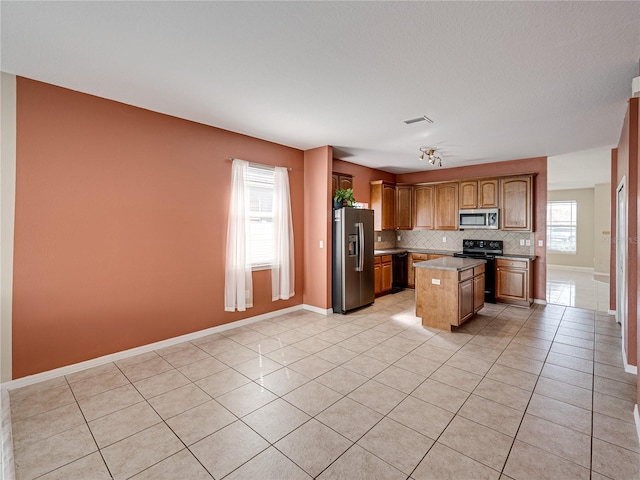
pixel 353 276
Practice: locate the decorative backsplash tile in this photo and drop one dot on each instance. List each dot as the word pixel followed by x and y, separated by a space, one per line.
pixel 432 239
pixel 388 240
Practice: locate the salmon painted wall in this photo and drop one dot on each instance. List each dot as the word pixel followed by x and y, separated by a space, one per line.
pixel 120 229
pixel 536 166
pixel 628 168
pixel 362 176
pixel 317 224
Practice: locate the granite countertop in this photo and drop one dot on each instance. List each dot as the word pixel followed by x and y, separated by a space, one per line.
pixel 450 263
pixel 516 257
pixel 392 251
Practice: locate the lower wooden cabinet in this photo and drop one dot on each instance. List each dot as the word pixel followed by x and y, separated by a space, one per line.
pixel 514 281
pixel 411 271
pixel 466 300
pixel 418 257
pixel 478 292
pixel 383 274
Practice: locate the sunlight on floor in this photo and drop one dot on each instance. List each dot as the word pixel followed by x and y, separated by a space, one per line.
pixel 577 289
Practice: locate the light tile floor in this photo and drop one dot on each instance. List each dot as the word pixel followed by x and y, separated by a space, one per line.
pixel 577 289
pixel 515 393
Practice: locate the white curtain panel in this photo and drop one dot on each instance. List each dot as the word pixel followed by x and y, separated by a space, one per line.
pixel 283 270
pixel 238 286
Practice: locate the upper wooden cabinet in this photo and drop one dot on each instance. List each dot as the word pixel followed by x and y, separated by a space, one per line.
pixel 446 206
pixel 423 207
pixel 340 181
pixel 479 194
pixel 515 201
pixel 403 207
pixel 383 203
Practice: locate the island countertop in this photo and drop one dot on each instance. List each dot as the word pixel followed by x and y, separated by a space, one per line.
pixel 450 263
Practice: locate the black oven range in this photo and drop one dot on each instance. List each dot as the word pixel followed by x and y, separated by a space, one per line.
pixel 485 250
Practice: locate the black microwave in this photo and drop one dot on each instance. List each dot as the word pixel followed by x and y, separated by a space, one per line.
pixel 480 219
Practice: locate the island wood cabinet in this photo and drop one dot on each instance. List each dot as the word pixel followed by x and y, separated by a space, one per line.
pixel 383 204
pixel 423 207
pixel 383 274
pixel 516 203
pixel 403 207
pixel 447 298
pixel 418 257
pixel 446 206
pixel 479 194
pixel 514 282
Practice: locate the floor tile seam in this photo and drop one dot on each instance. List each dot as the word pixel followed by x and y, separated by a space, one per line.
pixel 95 442
pixel 560 424
pixel 566 381
pixel 616 380
pixel 19 419
pixel 525 410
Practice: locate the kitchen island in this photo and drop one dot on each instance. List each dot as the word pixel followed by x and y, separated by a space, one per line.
pixel 449 291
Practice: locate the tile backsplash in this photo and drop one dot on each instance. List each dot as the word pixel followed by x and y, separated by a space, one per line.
pixel 432 239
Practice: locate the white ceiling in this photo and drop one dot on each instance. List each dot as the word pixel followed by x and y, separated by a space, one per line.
pixel 501 80
pixel 579 169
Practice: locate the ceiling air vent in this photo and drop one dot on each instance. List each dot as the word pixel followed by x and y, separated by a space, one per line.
pixel 423 118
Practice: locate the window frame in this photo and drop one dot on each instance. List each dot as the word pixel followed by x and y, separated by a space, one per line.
pixel 571 224
pixel 252 182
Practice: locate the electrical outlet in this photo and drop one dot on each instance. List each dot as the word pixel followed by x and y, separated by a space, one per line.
pixel 399 238
pixel 379 238
pixel 321 244
pixel 522 242
pixel 540 243
pixel 444 239
pixel 528 243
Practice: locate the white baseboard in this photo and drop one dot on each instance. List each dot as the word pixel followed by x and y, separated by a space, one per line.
pixel 112 357
pixel 539 301
pixel 611 312
pixel 636 416
pixel 570 268
pixel 627 367
pixel 319 310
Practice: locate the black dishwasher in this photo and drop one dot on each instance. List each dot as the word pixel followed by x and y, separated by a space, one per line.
pixel 399 272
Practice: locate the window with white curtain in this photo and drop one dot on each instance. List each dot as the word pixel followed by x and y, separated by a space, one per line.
pixel 259 183
pixel 562 226
pixel 259 234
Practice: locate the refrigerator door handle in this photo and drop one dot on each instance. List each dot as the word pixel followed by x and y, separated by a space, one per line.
pixel 360 267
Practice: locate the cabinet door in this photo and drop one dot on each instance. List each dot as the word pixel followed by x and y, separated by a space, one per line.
pixel 446 206
pixel 515 201
pixel 346 181
pixel 411 271
pixel 403 207
pixel 387 277
pixel 388 207
pixel 465 300
pixel 468 194
pixel 423 207
pixel 335 182
pixel 478 292
pixel 488 193
pixel 512 284
pixel 377 275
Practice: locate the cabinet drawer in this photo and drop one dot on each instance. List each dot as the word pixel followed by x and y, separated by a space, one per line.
pixel 465 274
pixel 386 259
pixel 377 260
pixel 419 257
pixel 478 270
pixel 502 262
